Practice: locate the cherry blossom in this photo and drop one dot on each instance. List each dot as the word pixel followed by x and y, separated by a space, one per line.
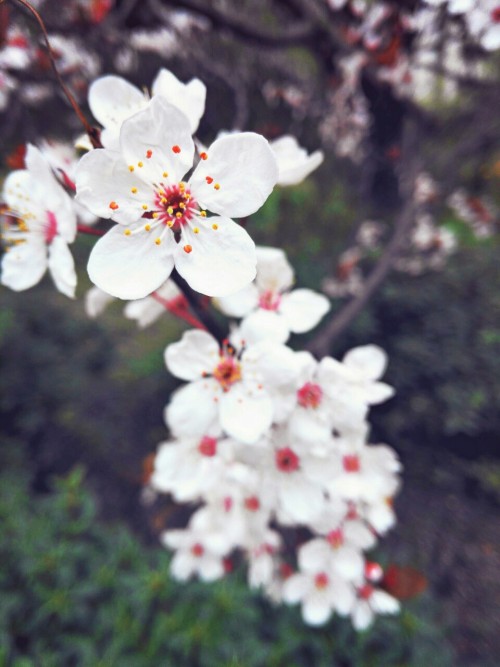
pixel 39 224
pixel 162 219
pixel 271 310
pixel 238 392
pixel 371 601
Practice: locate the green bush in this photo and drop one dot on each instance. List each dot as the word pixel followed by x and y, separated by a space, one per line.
pixel 76 591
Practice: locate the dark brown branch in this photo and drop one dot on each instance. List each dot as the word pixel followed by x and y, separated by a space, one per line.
pixel 341 320
pixel 295 34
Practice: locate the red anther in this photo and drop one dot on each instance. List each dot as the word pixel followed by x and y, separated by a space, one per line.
pixel 209 179
pixel 351 463
pixel 252 504
pixel 176 148
pixel 203 156
pixel 149 153
pixel 113 205
pixel 187 248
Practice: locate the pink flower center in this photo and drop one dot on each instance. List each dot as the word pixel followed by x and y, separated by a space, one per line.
pixel 310 395
pixel 335 538
pixel 269 300
pixel 174 206
pixel 227 372
pixel 228 503
pixel 373 571
pixel 495 15
pixel 50 228
pixel 321 581
pixel 286 570
pixel 197 550
pixel 287 460
pixel 207 446
pixel 252 504
pixel 351 463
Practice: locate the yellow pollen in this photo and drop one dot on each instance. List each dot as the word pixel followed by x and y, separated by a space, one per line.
pixel 133 190
pixel 214 226
pixel 165 174
pixel 203 214
pixel 178 214
pixel 157 241
pixel 217 186
pixel 147 228
pixel 182 205
pixel 127 232
pixel 140 164
pixel 145 207
pixel 154 215
pixel 170 223
pixel 170 210
pixel 182 186
pixel 196 230
pixel 163 201
pixel 131 167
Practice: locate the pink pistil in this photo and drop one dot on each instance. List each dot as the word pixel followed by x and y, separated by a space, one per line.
pixel 50 228
pixel 287 460
pixel 269 300
pixel 310 395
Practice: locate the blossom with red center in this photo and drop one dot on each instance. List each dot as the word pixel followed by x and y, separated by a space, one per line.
pixel 163 220
pixel 227 372
pixel 197 550
pixel 287 460
pixel 309 395
pixel 39 223
pixel 252 503
pixel 269 300
pixel 321 580
pixel 335 538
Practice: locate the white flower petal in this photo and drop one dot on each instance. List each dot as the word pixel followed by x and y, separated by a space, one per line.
pixel 24 264
pixel 246 413
pixel 112 99
pixel 103 180
pixel 193 410
pixel 187 97
pixel 62 267
pixel 244 167
pixel 362 616
pixel 369 361
pixel 240 303
pixel 383 603
pixel 293 161
pixel 130 267
pixel 221 261
pixel 161 132
pixel 303 309
pixel 264 325
pixel 274 272
pixel 295 588
pixel 196 353
pixel 96 301
pixel 316 609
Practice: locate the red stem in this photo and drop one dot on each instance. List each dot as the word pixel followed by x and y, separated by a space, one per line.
pixel 178 307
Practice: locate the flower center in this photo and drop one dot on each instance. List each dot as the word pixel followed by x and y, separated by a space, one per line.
pixel 227 372
pixel 207 446
pixel 287 460
pixel 335 538
pixel 321 581
pixel 365 592
pixel 174 205
pixel 351 463
pixel 269 300
pixel 495 15
pixel 197 550
pixel 50 228
pixel 310 395
pixel 252 503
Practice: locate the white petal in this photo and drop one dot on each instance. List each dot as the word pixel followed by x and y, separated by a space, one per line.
pixel 377 392
pixel 316 610
pixel 303 309
pixel 240 303
pixel 196 353
pixel 302 500
pixel 211 568
pixel 264 325
pixel 293 162
pixel 244 167
pixel 103 179
pixel 182 566
pixel 274 272
pixel 362 615
pixel 62 267
pixel 24 264
pixel 369 361
pixel 246 413
pixel 314 555
pixel 221 261
pixel 295 588
pixel 144 311
pixel 129 267
pixel 113 99
pixel 193 410
pixel 187 97
pixel 349 563
pixel 162 132
pixel 96 301
pixel 383 603
pixel 343 597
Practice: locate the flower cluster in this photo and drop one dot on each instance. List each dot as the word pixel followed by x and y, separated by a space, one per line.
pixel 267 441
